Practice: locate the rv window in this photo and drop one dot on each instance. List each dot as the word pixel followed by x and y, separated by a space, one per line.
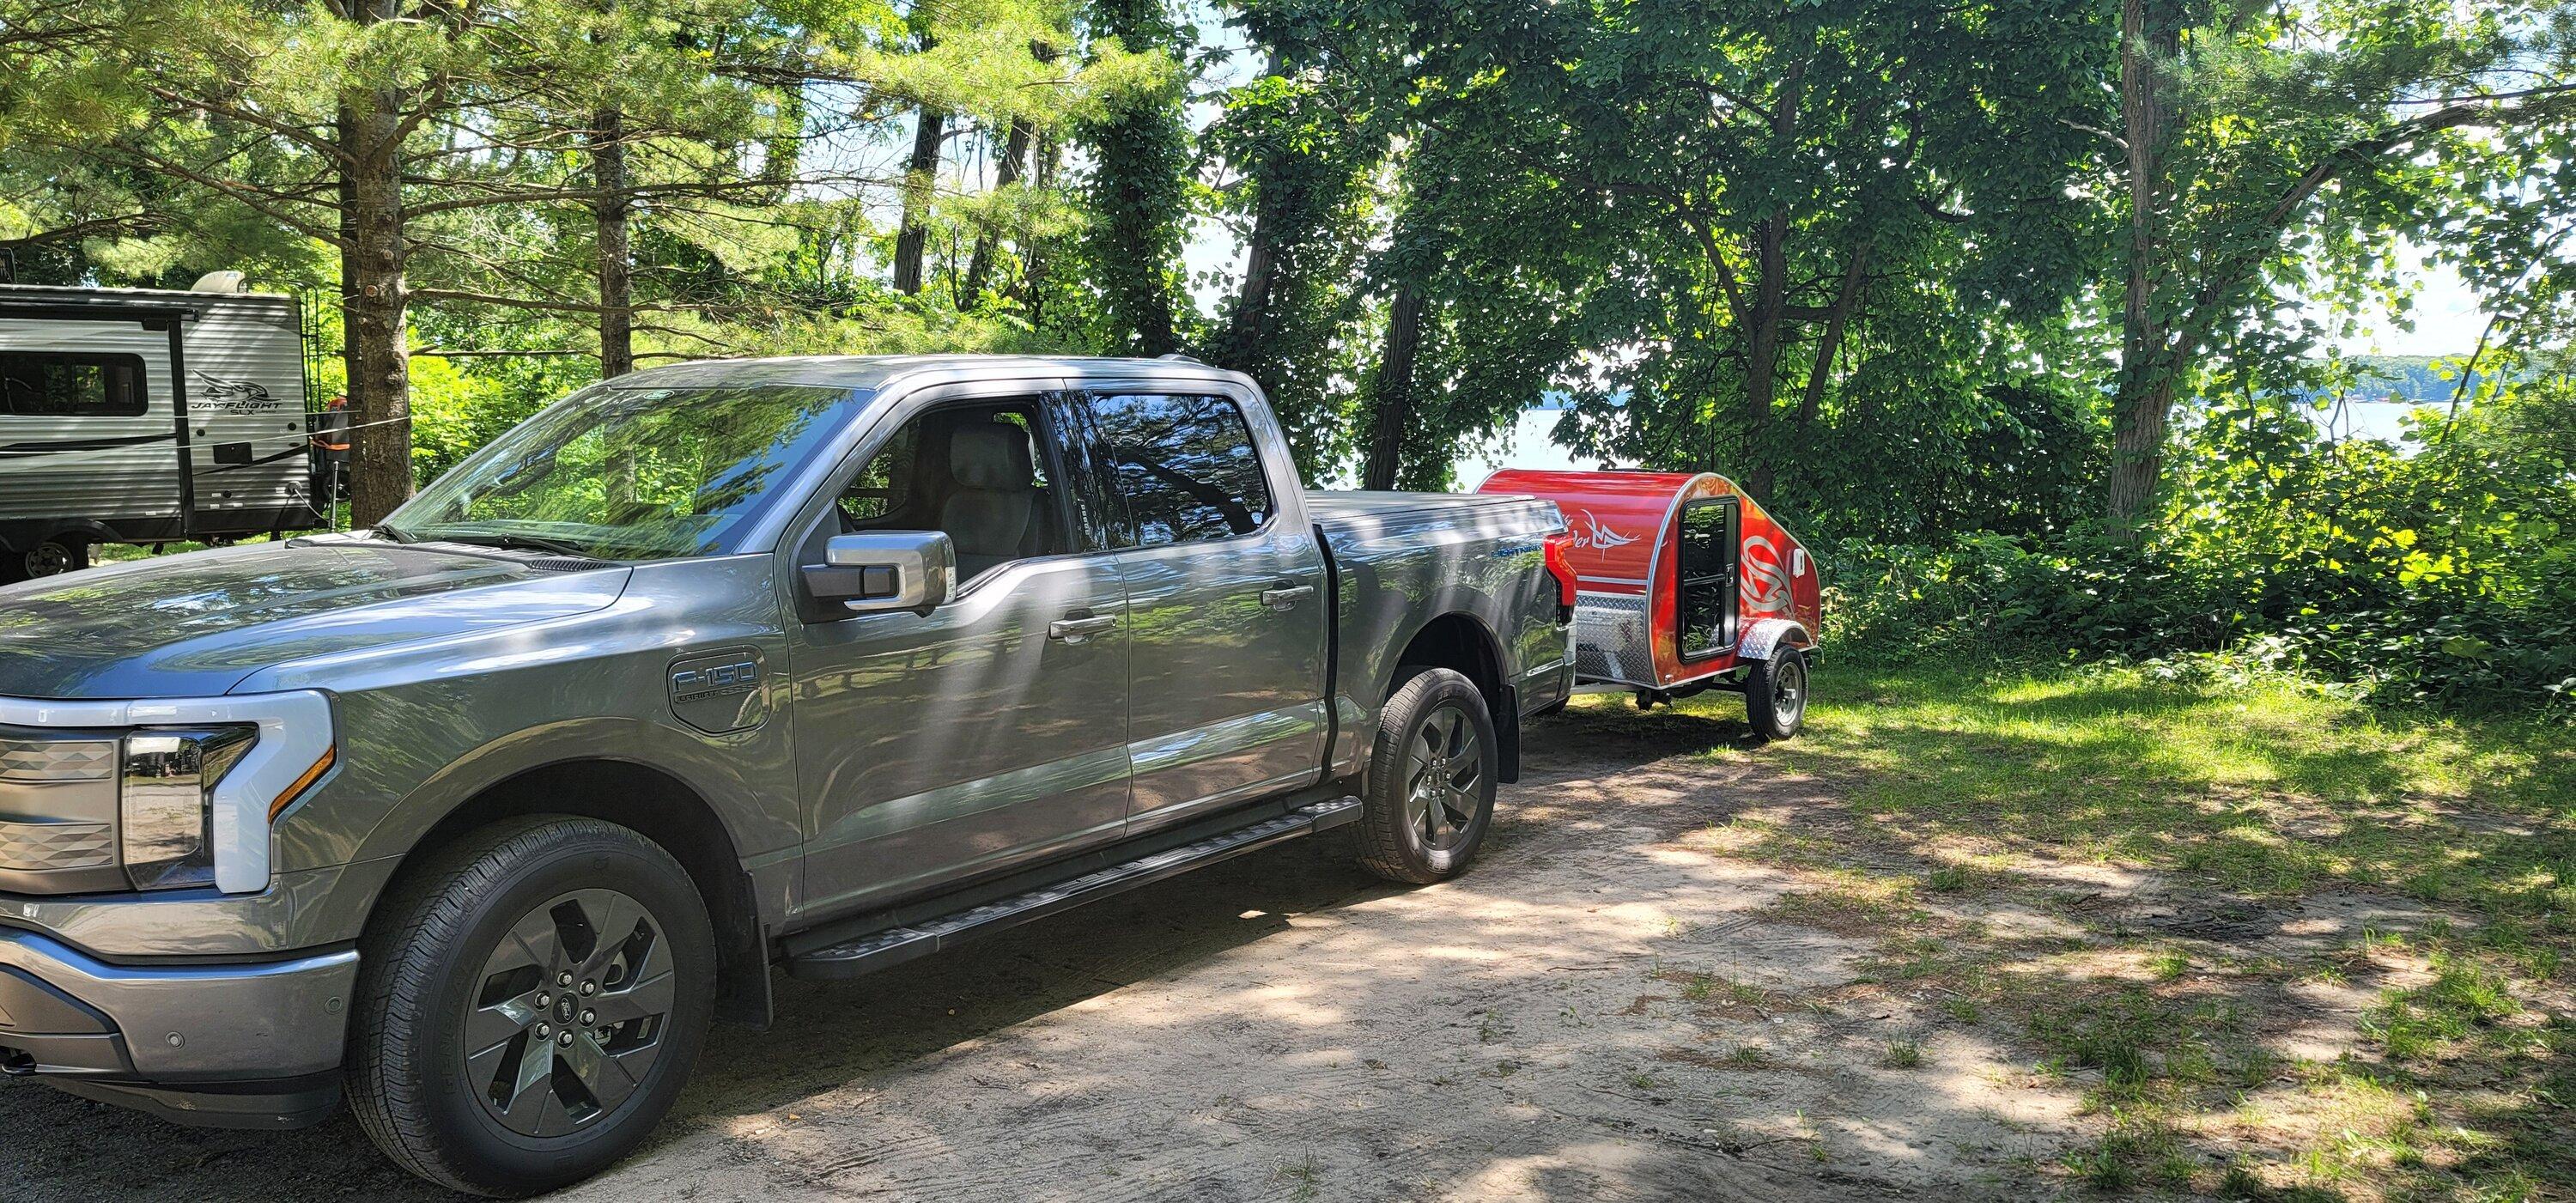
pixel 61 384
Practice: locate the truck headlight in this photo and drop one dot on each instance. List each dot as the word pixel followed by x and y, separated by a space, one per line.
pixel 167 801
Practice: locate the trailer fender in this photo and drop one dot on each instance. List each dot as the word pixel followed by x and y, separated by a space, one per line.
pixel 26 535
pixel 1768 633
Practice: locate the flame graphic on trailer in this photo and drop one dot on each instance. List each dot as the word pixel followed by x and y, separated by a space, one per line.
pixel 1766 580
pixel 1600 537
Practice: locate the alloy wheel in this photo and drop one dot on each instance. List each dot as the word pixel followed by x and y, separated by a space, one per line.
pixel 1444 778
pixel 568 1013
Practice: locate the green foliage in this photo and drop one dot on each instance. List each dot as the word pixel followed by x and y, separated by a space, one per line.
pixel 2443 576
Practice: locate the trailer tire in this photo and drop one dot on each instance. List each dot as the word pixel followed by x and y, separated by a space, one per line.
pixel 1429 794
pixel 54 557
pixel 46 557
pixel 1775 694
pixel 554 892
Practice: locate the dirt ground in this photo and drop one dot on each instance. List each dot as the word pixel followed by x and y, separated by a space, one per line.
pixel 1608 1007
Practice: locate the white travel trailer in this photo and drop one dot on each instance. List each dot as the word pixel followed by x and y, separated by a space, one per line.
pixel 145 416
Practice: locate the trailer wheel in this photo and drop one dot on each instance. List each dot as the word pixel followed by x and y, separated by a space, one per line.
pixel 1430 790
pixel 53 557
pixel 1775 694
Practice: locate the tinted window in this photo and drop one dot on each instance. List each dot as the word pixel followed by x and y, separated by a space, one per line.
pixel 1185 465
pixel 48 384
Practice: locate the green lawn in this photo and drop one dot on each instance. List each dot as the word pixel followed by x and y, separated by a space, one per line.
pixel 2180 820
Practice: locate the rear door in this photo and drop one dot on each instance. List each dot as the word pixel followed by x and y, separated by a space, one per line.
pixel 1705 576
pixel 1225 598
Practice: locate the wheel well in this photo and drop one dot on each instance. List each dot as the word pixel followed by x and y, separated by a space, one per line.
pixel 665 811
pixel 1460 642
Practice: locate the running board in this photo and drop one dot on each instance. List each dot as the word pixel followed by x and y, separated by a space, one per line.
pixel 869 953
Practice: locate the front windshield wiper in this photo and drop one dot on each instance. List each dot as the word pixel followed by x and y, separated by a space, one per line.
pixel 392 535
pixel 519 542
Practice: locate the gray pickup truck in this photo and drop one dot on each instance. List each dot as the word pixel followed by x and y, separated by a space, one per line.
pixel 478 819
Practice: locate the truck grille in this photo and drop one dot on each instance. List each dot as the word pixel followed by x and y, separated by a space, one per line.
pixel 37 847
pixel 58 800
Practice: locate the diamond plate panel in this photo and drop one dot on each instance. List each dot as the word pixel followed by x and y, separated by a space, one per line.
pixel 1611 640
pixel 56 759
pixel 43 846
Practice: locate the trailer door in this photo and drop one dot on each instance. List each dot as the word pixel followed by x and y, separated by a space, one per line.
pixel 1704 579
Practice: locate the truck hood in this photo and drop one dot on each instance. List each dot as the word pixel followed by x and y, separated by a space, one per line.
pixel 195 625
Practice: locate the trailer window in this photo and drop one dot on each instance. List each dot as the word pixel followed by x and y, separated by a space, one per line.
pixel 61 384
pixel 1706 577
pixel 1186 466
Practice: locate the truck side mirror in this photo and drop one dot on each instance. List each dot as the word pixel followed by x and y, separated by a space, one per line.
pixel 883 570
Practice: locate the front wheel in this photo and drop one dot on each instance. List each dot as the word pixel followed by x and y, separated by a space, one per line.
pixel 529 1005
pixel 1775 694
pixel 1430 789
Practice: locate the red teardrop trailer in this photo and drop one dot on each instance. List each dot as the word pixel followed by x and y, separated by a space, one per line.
pixel 1683 583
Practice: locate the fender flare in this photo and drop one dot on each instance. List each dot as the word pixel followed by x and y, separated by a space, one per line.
pixel 1766 634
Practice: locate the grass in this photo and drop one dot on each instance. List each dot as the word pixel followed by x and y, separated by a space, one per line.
pixel 2215 803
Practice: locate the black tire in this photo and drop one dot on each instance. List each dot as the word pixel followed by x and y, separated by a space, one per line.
pixel 1413 830
pixel 1775 694
pixel 424 978
pixel 53 557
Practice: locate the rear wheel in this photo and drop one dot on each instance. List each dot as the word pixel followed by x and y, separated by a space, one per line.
pixel 1430 790
pixel 1775 694
pixel 529 1005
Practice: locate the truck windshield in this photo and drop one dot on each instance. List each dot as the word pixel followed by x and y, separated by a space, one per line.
pixel 629 474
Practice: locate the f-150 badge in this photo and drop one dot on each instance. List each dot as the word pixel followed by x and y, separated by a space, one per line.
pixel 717 692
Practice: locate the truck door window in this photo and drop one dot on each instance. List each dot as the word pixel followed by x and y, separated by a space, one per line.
pixel 1706 576
pixel 977 472
pixel 54 384
pixel 1185 465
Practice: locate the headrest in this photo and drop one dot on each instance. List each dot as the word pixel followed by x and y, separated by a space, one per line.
pixel 994 455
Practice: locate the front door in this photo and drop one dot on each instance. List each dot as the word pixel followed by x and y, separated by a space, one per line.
pixel 992 731
pixel 1226 606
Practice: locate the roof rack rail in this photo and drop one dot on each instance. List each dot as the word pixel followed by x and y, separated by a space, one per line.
pixel 1177 357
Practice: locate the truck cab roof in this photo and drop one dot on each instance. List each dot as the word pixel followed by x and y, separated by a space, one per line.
pixel 879 372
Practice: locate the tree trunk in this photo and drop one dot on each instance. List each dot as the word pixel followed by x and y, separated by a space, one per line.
pixel 380 368
pixel 352 386
pixel 1392 389
pixel 1846 299
pixel 616 264
pixel 1762 356
pixel 979 266
pixel 1769 317
pixel 2150 36
pixel 921 172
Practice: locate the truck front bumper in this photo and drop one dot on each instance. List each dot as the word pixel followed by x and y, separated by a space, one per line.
pixel 253 1045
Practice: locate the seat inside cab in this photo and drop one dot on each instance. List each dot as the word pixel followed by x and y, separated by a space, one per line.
pixel 972 472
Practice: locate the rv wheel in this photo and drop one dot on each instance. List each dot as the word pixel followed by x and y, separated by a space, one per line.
pixel 53 558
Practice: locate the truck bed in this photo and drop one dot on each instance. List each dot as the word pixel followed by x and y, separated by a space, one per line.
pixel 1401 561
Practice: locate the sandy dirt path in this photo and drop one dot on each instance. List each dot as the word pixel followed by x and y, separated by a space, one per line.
pixel 1284 1027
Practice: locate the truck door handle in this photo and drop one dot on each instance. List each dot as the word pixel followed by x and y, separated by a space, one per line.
pixel 1080 625
pixel 1286 596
